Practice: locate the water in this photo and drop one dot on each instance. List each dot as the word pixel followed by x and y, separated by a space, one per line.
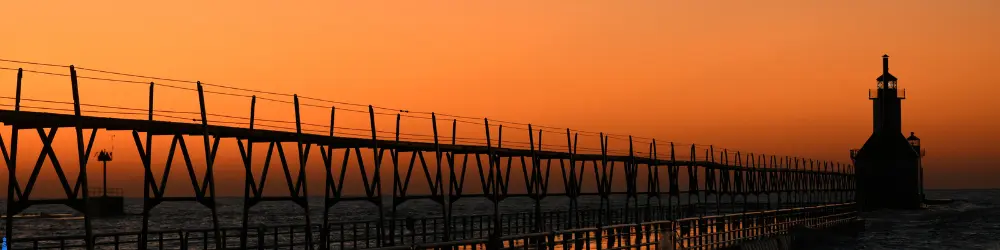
pixel 192 215
pixel 971 222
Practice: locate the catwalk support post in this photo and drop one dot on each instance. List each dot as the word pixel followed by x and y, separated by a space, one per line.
pixel 149 184
pixel 331 187
pixel 84 154
pixel 249 182
pixel 376 179
pixel 13 188
pixel 300 185
pixel 210 150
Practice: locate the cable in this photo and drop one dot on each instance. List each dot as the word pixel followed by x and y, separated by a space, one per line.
pixel 32 63
pixel 285 94
pixel 497 123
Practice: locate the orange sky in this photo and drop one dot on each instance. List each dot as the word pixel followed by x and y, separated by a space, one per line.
pixel 775 77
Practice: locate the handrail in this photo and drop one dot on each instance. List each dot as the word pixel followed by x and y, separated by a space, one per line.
pixel 673 224
pixel 296 232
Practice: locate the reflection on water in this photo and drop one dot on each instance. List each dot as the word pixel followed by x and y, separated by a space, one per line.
pixel 972 222
pixel 703 233
pixel 694 231
pixel 190 215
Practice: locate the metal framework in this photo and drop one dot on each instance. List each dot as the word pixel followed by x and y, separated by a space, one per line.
pixel 729 177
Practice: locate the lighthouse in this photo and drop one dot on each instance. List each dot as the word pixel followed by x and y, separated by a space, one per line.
pixel 887 167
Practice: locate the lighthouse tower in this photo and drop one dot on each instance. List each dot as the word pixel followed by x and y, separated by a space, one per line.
pixel 887 167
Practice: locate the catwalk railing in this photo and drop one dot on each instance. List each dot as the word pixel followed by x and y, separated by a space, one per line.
pixel 708 172
pixel 698 232
pixel 710 232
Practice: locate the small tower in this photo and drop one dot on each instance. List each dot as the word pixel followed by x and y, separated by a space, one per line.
pixel 887 167
pixel 104 157
pixel 106 205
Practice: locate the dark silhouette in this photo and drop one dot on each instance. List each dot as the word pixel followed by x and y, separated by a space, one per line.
pixel 820 190
pixel 104 157
pixel 106 205
pixel 887 165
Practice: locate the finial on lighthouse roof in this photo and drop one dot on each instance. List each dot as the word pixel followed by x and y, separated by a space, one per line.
pixel 885 63
pixel 885 77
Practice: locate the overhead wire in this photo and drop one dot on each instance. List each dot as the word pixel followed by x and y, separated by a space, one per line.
pixel 471 120
pixel 286 94
pixel 277 121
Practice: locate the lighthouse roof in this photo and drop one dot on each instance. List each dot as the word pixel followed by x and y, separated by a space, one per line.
pixel 886 77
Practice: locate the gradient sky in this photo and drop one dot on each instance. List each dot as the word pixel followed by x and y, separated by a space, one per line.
pixel 774 77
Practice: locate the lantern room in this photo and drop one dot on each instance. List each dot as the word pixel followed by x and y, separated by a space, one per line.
pixel 914 141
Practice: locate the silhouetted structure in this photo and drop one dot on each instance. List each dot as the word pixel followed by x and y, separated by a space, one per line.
pixel 105 205
pixel 887 165
pixel 754 195
pixel 104 157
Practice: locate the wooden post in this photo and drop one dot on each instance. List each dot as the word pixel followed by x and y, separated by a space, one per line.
pixel 301 183
pixel 573 221
pixel 396 189
pixel 84 156
pixel 148 176
pixel 673 174
pixel 377 178
pixel 693 188
pixel 183 239
pixel 654 186
pixel 209 172
pixel 632 190
pixel 247 160
pixel 445 198
pixel 497 223
pixel 325 228
pixel 12 166
pixel 260 238
pixel 454 184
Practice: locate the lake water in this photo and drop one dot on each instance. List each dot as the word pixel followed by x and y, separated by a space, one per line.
pixel 971 222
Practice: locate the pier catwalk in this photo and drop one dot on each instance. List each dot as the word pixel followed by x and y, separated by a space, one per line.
pixel 634 181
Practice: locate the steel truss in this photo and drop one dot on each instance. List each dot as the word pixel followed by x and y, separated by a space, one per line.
pixel 734 175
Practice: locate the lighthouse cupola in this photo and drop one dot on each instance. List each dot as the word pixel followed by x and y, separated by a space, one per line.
pixel 886 80
pixel 886 100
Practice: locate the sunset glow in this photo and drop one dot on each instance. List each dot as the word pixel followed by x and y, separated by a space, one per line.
pixel 781 77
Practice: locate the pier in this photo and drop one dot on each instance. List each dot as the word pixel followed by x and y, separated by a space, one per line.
pixel 682 196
